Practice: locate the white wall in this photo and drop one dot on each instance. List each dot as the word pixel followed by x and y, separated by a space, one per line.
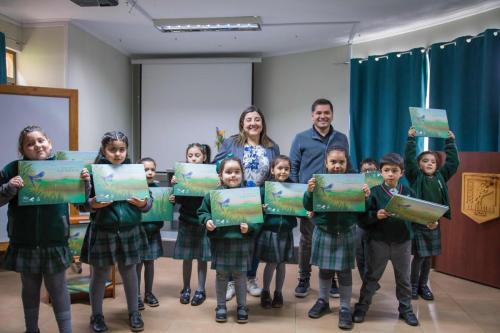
pixel 42 61
pixel 103 77
pixel 471 25
pixel 286 86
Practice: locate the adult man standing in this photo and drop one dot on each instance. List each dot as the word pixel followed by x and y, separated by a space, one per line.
pixel 308 157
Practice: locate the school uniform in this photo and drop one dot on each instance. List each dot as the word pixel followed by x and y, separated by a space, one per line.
pixel 334 238
pixel 430 188
pixel 389 239
pixel 192 241
pixel 275 241
pixel 152 229
pixel 115 233
pixel 231 250
pixel 38 234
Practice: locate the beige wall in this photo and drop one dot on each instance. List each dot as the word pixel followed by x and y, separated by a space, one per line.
pixel 286 86
pixel 103 77
pixel 42 61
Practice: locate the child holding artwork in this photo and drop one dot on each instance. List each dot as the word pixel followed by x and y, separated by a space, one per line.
pixel 192 241
pixel 38 237
pixel 155 251
pixel 114 236
pixel 275 242
pixel 429 183
pixel 333 244
pixel 389 238
pixel 231 246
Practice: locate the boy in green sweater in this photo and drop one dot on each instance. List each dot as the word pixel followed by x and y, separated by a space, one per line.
pixel 389 239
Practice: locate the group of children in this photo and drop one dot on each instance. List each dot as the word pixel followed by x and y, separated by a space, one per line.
pixel 39 250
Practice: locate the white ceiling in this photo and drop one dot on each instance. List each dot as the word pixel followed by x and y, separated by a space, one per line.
pixel 131 31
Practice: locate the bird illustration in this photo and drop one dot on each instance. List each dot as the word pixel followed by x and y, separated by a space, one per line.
pixel 223 204
pixel 327 188
pixel 421 118
pixel 187 175
pixel 107 179
pixel 277 194
pixel 38 176
pixel 404 205
pixel 75 236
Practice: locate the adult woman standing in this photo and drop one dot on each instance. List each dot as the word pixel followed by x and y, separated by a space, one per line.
pixel 256 151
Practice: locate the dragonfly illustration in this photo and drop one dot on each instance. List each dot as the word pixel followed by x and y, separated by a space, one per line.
pixel 223 204
pixel 277 194
pixel 107 179
pixel 187 175
pixel 38 176
pixel 327 188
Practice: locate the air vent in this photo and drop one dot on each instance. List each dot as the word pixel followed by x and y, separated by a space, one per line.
pixel 95 3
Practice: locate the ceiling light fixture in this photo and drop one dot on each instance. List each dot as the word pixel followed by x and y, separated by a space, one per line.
pixel 241 23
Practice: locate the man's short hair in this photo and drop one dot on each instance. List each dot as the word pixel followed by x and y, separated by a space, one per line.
pixel 392 159
pixel 321 101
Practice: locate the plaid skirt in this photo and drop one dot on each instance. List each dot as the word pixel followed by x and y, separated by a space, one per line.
pixel 47 260
pixel 275 247
pixel 192 243
pixel 426 242
pixel 232 255
pixel 105 248
pixel 155 249
pixel 333 251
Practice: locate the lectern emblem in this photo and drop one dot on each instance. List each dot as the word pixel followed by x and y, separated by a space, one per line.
pixel 481 196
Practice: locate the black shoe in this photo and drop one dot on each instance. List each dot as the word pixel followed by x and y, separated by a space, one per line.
pixel 198 298
pixel 302 289
pixel 221 314
pixel 334 289
pixel 185 295
pixel 265 299
pixel 409 318
pixel 38 331
pixel 97 323
pixel 242 314
pixel 277 300
pixel 414 291
pixel 151 300
pixel 358 316
pixel 135 322
pixel 345 319
pixel 425 293
pixel 140 303
pixel 320 308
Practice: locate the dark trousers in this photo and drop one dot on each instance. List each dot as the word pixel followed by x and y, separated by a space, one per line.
pixel 306 231
pixel 420 269
pixel 361 252
pixel 380 253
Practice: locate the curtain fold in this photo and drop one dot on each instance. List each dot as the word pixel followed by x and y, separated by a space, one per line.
pixel 382 89
pixel 465 80
pixel 3 64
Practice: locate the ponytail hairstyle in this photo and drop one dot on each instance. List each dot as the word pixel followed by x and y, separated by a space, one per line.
pixel 204 148
pixel 146 159
pixel 224 162
pixel 106 139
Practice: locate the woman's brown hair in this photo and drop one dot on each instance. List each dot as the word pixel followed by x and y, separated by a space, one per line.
pixel 241 137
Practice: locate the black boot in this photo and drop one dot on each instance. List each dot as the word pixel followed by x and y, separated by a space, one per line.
pixel 135 321
pixel 97 323
pixel 265 299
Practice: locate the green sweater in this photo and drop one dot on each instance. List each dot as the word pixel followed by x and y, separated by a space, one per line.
pixel 32 226
pixel 119 215
pixel 390 230
pixel 419 181
pixel 229 232
pixel 188 212
pixel 277 223
pixel 331 222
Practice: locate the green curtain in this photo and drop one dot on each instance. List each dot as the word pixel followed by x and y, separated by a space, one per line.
pixel 3 64
pixel 465 80
pixel 381 92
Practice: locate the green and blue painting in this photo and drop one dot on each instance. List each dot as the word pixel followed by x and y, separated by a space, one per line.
pixel 284 198
pixel 76 236
pixel 415 210
pixel 51 182
pixel 373 178
pixel 119 182
pixel 429 122
pixel 195 180
pixel 88 157
pixel 339 193
pixel 235 206
pixel 163 209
